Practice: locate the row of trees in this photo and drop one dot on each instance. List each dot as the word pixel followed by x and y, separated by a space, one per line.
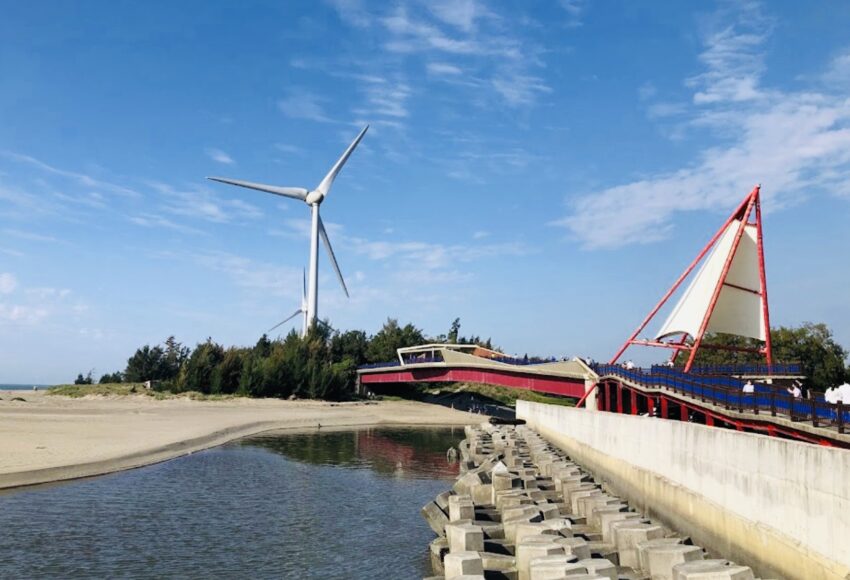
pixel 321 365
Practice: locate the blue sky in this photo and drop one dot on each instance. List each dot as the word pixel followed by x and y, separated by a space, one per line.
pixel 543 170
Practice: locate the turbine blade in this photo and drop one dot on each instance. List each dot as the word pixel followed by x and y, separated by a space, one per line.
pixel 328 181
pixel 293 192
pixel 293 315
pixel 330 250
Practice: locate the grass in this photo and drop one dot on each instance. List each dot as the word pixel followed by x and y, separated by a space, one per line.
pixel 124 389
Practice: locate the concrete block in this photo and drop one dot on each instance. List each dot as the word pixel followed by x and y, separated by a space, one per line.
pixel 575 495
pixel 435 517
pixel 465 538
pixel 627 537
pixel 461 508
pixel 463 564
pixel 607 517
pixel 438 550
pixel 554 568
pixel 711 570
pixel 535 547
pixel 497 562
pixel 527 529
pixel 594 517
pixel 642 547
pixel 575 547
pixel 600 567
pixel 482 494
pixel 467 480
pixel 661 559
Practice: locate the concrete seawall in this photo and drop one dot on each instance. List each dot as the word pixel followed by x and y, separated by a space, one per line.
pixel 782 507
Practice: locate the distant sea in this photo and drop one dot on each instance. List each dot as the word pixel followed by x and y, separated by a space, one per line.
pixel 26 387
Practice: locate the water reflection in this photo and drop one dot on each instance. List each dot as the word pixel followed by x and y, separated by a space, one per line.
pixel 316 505
pixel 398 452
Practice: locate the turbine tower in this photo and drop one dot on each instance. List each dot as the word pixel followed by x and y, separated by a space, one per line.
pixel 314 199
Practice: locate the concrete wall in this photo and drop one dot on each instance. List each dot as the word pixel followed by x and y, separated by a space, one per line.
pixel 782 507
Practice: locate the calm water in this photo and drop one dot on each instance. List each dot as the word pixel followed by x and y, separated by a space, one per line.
pixel 318 505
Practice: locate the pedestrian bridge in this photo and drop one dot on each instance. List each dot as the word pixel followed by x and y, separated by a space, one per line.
pixel 708 395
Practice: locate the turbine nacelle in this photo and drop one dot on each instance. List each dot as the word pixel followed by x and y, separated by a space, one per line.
pixel 314 197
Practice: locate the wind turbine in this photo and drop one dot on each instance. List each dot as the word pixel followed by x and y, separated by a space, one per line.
pixel 314 199
pixel 302 311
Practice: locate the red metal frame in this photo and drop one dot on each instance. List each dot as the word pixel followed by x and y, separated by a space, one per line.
pixel 742 213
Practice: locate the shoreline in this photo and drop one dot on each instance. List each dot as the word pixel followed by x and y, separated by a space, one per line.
pixel 89 437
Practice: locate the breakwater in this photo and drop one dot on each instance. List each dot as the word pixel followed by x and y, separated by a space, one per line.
pixel 780 506
pixel 523 509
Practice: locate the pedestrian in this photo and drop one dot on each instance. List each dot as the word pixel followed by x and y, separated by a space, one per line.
pixel 749 387
pixel 794 390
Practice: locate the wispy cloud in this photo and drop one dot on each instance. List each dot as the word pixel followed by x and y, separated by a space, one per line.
pixel 574 10
pixel 352 12
pixel 303 105
pixel 31 236
pixel 149 220
pixel 790 142
pixel 443 69
pixel 219 156
pixel 202 203
pixel 80 178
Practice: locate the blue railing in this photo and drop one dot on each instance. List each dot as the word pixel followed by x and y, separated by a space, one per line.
pixel 727 391
pixel 378 365
pixel 793 369
pixel 423 360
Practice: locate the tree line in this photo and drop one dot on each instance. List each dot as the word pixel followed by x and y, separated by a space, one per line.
pixel 321 365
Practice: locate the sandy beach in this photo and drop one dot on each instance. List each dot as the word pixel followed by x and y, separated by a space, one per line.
pixel 49 438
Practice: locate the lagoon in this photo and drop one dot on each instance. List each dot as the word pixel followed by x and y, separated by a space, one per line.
pixel 336 504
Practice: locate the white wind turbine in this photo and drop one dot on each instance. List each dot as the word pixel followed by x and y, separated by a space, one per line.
pixel 302 311
pixel 314 199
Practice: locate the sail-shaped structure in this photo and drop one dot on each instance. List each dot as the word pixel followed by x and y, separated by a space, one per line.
pixel 728 294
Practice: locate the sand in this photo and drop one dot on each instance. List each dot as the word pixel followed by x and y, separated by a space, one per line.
pixel 50 438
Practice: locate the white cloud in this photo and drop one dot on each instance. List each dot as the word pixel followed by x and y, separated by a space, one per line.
pixel 461 14
pixel 443 69
pixel 32 236
pixel 8 283
pixel 351 12
pixel 838 72
pixel 80 178
pixel 303 105
pixel 17 313
pixel 219 156
pixel 574 10
pixel 203 203
pixel 792 143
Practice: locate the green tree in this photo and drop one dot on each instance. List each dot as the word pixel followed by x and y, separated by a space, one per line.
pixel 83 380
pixel 351 344
pixel 454 331
pixel 146 364
pixel 263 348
pixel 115 377
pixel 391 337
pixel 197 373
pixel 173 358
pixel 227 376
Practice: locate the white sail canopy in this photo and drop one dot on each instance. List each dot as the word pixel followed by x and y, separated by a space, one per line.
pixel 739 306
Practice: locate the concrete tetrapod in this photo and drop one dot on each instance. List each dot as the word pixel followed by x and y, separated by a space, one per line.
pixel 661 559
pixel 711 570
pixel 463 564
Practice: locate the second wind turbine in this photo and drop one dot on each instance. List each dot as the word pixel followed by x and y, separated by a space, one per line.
pixel 314 199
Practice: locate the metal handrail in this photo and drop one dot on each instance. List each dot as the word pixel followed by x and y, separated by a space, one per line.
pixel 728 393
